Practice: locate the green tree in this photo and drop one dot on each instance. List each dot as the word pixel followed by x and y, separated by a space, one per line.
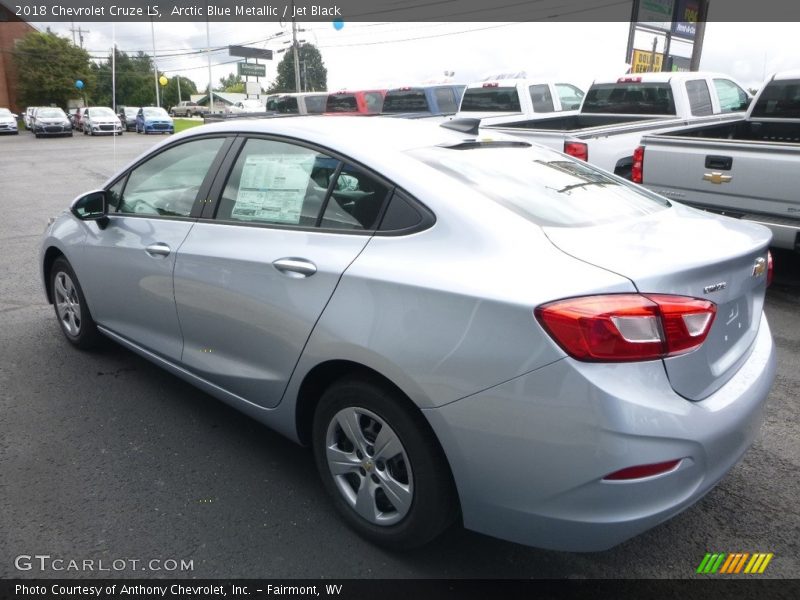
pixel 48 66
pixel 313 74
pixel 134 80
pixel 232 83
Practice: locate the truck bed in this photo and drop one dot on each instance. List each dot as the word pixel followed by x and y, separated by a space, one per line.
pixel 744 169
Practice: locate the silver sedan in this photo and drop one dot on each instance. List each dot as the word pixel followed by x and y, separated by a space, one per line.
pixel 465 329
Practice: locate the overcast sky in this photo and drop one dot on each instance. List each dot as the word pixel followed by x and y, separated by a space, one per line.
pixel 362 55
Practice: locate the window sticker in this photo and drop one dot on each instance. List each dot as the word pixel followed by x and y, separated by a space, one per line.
pixel 273 187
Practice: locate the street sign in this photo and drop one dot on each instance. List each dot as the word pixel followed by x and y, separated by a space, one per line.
pixel 252 70
pixel 247 52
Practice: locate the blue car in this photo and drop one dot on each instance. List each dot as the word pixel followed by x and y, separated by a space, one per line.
pixel 153 119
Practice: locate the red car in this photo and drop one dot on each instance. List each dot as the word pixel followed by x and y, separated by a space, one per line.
pixel 364 102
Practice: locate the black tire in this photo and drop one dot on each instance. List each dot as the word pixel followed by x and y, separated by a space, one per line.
pixel 85 336
pixel 433 502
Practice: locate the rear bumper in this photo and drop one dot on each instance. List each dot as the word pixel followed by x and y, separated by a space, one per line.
pixel 528 456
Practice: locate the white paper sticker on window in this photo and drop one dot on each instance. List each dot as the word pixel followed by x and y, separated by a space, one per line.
pixel 273 187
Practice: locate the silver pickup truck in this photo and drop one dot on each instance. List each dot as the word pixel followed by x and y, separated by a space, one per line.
pixel 748 168
pixel 615 113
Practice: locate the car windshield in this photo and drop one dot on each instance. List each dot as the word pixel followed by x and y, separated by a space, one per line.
pixel 4 112
pixel 101 111
pixel 50 113
pixel 541 186
pixel 154 111
pixel 131 111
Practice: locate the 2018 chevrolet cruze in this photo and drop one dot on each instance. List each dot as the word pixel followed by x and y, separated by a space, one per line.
pixel 461 327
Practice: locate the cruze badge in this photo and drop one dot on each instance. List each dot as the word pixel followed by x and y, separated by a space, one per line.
pixel 760 267
pixel 716 287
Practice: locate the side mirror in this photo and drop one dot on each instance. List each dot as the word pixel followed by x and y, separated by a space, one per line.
pixel 92 207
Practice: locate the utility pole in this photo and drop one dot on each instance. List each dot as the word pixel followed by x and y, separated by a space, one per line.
pixel 296 54
pixel 155 63
pixel 210 86
pixel 80 34
pixel 178 77
pixel 653 56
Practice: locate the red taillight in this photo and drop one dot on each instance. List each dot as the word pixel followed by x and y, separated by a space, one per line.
pixel 637 168
pixel 769 268
pixel 640 471
pixel 627 327
pixel 579 150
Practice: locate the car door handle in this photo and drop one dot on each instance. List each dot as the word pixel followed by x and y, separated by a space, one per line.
pixel 158 249
pixel 295 267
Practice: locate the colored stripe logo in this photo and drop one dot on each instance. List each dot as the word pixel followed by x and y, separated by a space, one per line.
pixel 734 563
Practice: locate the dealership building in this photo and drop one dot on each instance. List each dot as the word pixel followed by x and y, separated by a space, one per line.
pixel 11 29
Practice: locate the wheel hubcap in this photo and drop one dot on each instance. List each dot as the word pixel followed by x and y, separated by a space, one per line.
pixel 68 305
pixel 369 466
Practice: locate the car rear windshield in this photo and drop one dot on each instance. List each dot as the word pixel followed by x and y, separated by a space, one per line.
pixel 633 98
pixel 779 100
pixel 341 103
pixel 287 105
pixel 403 101
pixel 491 99
pixel 541 186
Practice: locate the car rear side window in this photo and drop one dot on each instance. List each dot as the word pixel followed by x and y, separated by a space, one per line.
pixel 699 97
pixel 355 202
pixel 542 98
pixel 168 183
pixel 542 186
pixel 570 96
pixel 732 98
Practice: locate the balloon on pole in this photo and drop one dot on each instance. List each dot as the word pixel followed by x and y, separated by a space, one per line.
pixel 338 24
pixel 163 80
pixel 79 84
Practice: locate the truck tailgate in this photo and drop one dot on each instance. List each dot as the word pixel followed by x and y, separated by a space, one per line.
pixel 744 179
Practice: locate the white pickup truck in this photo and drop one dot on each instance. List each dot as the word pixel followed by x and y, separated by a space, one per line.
pixel 513 100
pixel 616 113
pixel 747 168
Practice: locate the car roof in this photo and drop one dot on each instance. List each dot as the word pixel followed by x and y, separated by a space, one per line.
pixel 664 76
pixel 348 134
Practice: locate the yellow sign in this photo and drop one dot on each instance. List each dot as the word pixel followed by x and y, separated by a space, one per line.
pixel 643 61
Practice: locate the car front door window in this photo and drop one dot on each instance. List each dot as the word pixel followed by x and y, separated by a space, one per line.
pixel 167 184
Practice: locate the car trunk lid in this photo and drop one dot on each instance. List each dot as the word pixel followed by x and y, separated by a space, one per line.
pixel 684 252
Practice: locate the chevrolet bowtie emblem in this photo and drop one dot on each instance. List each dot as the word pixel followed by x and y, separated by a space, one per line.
pixel 716 177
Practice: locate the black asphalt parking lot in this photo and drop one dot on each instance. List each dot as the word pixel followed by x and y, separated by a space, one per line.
pixel 105 456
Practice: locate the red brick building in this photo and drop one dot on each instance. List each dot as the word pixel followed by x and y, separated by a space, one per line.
pixel 11 30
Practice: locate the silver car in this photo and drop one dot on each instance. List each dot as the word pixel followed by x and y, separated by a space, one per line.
pixel 464 329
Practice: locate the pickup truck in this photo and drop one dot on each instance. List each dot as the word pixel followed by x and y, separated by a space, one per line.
pixel 747 168
pixel 188 109
pixel 424 101
pixel 616 113
pixel 514 100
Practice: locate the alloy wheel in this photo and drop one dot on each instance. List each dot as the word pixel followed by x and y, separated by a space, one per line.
pixel 68 305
